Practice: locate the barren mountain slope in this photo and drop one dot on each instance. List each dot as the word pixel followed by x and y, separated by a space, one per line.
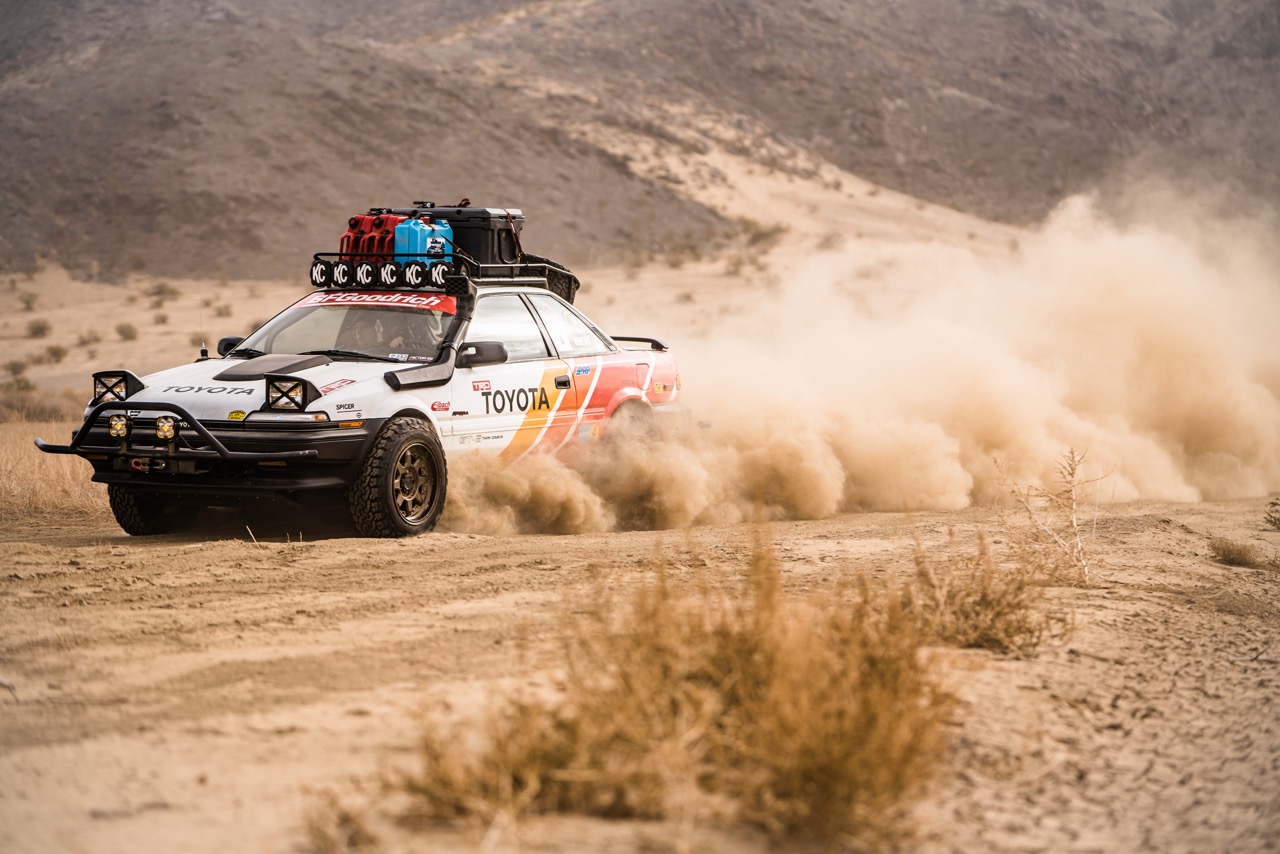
pixel 228 138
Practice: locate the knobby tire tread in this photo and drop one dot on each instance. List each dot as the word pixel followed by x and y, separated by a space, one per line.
pixel 366 498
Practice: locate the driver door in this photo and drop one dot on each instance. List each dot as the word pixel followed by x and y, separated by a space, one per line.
pixel 510 408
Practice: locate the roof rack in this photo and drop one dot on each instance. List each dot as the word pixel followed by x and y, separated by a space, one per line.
pixel 406 271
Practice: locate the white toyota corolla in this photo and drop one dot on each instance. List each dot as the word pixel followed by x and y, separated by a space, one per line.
pixel 359 397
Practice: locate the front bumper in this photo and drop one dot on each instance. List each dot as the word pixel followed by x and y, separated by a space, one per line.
pixel 218 458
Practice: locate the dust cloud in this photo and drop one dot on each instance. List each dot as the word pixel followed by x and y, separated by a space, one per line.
pixel 909 376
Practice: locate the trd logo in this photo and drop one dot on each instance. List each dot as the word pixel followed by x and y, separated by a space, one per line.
pixel 481 385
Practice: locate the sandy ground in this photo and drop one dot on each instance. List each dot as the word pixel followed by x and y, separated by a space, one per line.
pixel 197 693
pixel 194 694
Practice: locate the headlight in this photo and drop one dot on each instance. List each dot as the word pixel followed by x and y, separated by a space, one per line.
pixel 118 426
pixel 115 385
pixel 289 394
pixel 285 395
pixel 164 427
pixel 288 417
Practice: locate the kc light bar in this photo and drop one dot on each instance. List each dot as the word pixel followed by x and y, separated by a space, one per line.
pixel 289 394
pixel 111 386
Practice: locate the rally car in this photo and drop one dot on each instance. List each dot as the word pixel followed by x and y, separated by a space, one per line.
pixel 358 395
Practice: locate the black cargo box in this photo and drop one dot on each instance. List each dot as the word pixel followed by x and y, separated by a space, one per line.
pixel 485 234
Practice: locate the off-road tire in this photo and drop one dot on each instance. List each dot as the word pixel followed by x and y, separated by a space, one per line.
pixel 390 497
pixel 141 516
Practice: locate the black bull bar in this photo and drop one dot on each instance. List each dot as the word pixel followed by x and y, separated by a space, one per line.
pixel 216 449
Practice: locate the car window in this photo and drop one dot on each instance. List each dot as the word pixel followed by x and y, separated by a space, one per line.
pixel 569 332
pixel 505 318
pixel 376 330
pixel 313 329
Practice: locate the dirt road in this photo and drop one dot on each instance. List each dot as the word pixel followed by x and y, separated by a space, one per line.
pixel 184 694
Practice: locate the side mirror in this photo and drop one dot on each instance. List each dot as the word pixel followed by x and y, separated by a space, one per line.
pixel 482 353
pixel 226 345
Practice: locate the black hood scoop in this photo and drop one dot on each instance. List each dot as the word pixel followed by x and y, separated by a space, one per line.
pixel 276 363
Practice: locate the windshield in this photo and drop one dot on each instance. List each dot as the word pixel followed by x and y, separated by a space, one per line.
pixel 404 327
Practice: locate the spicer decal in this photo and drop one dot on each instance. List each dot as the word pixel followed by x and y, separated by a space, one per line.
pixel 511 400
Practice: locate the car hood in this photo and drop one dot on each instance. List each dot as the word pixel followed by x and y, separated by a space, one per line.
pixel 227 389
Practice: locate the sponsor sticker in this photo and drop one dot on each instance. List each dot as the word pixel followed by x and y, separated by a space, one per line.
pixel 440 406
pixel 515 400
pixel 589 433
pixel 237 415
pixel 584 371
pixel 426 302
pixel 659 387
pixel 481 385
pixel 335 385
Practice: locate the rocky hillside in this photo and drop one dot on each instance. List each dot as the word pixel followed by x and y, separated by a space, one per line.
pixel 233 137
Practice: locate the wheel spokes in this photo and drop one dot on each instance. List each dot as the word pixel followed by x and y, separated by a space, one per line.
pixel 413 483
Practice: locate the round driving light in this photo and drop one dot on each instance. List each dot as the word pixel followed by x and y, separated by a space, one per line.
pixel 164 427
pixel 119 426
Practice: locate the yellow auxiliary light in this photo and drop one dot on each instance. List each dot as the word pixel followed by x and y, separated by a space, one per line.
pixel 164 427
pixel 119 426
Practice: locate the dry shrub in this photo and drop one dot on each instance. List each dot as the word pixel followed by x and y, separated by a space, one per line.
pixel 21 401
pixel 807 719
pixel 38 328
pixel 334 827
pixel 33 483
pixel 1236 554
pixel 55 353
pixel 163 291
pixel 28 300
pixel 1272 514
pixel 127 331
pixel 1058 543
pixel 969 601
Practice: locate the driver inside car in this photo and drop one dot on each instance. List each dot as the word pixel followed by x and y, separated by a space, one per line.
pixel 380 332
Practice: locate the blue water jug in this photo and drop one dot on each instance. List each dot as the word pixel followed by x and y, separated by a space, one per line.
pixel 440 241
pixel 411 238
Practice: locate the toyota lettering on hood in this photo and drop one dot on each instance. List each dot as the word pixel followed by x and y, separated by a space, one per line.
pixel 195 387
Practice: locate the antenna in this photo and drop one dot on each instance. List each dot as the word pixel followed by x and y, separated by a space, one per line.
pixel 204 345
